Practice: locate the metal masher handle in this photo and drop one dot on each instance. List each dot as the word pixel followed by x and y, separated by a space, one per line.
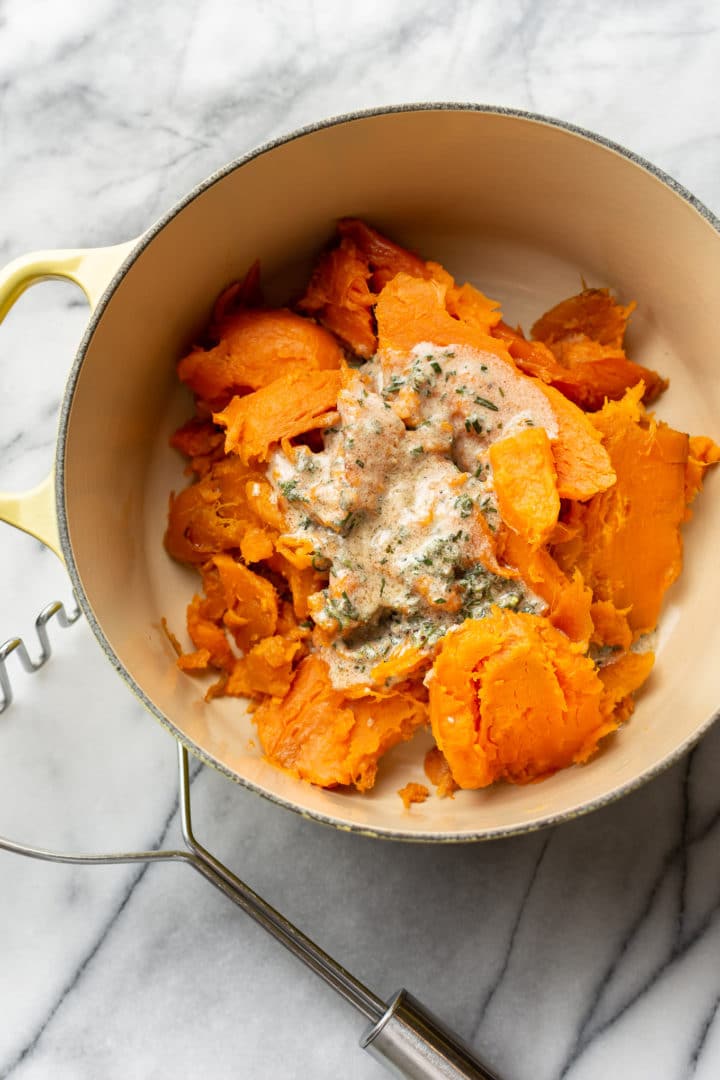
pixel 403 1036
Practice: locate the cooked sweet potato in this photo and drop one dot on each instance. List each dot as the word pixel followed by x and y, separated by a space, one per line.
pixel 626 540
pixel 256 347
pixel 590 505
pixel 413 793
pixel 525 484
pixel 620 681
pixel 266 669
pixel 582 463
pixel 221 513
pixel 593 313
pixel 410 310
pixel 568 599
pixel 321 736
pixel 347 279
pixel 438 773
pixel 512 698
pixel 289 405
pixel 578 349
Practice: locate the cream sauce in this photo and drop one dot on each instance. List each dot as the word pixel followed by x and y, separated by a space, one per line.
pixel 398 504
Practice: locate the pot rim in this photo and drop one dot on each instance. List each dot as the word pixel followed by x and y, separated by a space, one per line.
pixel 143 241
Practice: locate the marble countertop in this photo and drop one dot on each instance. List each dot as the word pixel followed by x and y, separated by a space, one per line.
pixel 585 951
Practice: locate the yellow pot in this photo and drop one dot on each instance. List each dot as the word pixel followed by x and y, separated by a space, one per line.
pixel 525 207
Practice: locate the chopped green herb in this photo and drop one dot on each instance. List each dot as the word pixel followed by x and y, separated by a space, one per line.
pixel 440 600
pixel 487 404
pixel 360 464
pixel 435 366
pixel 417 450
pixel 290 491
pixel 464 504
pixel 394 386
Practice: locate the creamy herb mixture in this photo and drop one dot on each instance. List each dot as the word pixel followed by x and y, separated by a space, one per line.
pixel 398 505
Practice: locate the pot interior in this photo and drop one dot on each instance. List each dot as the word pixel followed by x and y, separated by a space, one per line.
pixel 525 210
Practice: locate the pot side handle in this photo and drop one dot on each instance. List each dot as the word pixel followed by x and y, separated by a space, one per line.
pixel 92 269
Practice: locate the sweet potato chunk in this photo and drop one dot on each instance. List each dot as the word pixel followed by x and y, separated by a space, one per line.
pixel 256 347
pixel 340 296
pixel 593 312
pixel 702 452
pixel 578 349
pixel 384 256
pixel 287 406
pixel 413 793
pixel 525 484
pixel 319 735
pixel 219 514
pixel 627 542
pixel 251 605
pixel 410 310
pixel 581 461
pixel 266 669
pixel 568 599
pixel 512 698
pixel 620 681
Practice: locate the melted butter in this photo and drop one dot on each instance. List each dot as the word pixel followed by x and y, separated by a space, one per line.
pixel 398 505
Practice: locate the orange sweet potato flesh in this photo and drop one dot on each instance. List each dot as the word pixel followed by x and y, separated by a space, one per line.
pixel 610 625
pixel 525 484
pixel 413 792
pixel 267 668
pixel 289 405
pixel 593 312
pixel 569 600
pixel 256 347
pixel 620 681
pixel 384 256
pixel 512 698
pixel 438 773
pixel 201 441
pixel 578 348
pixel 702 452
pixel 221 513
pixel 340 296
pixel 251 603
pixel 347 279
pixel 321 736
pixel 626 540
pixel 410 310
pixel 581 461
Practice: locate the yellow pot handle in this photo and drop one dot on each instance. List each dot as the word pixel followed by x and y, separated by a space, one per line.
pixel 92 269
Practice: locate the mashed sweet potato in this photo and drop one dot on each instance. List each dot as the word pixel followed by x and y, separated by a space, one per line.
pixel 404 513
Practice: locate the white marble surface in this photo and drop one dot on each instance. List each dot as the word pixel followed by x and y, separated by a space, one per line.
pixel 584 952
